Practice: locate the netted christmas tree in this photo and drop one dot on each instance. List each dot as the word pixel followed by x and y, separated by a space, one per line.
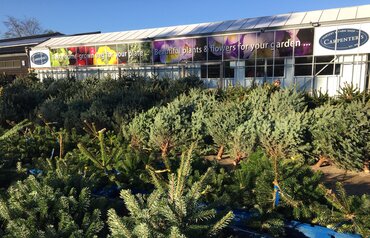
pixel 173 209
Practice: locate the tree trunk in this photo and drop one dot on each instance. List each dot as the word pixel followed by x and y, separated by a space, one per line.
pixel 61 145
pixel 220 152
pixel 164 149
pixel 237 159
pixel 366 167
pixel 322 159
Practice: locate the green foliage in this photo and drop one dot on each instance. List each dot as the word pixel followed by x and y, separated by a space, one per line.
pixel 317 99
pixel 225 118
pixel 173 209
pixel 14 130
pixel 172 125
pixel 138 131
pixel 55 205
pixel 341 134
pixel 20 100
pixel 283 128
pixel 252 188
pixel 69 102
pixel 348 93
pixel 346 213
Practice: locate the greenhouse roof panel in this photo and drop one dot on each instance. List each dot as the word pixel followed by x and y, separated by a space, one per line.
pixel 329 15
pixel 311 17
pixel 280 20
pixel 347 13
pixel 167 32
pixel 198 29
pixel 295 18
pixel 211 27
pixel 248 24
pixel 265 22
pixel 188 29
pixel 363 12
pixel 224 26
pixel 236 25
pixel 112 36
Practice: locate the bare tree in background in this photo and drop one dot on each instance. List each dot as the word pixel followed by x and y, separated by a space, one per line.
pixel 22 27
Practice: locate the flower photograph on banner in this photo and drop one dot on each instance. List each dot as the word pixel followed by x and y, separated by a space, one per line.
pixel 105 55
pixel 247 43
pixel 265 44
pixel 173 51
pixel 122 53
pixel 305 37
pixel 215 47
pixel 59 57
pixel 146 49
pixel 284 43
pixel 231 47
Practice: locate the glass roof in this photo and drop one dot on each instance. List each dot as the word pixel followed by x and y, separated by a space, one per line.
pixel 242 25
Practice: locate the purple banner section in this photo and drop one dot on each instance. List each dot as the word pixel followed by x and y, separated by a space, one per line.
pixel 305 39
pixel 173 51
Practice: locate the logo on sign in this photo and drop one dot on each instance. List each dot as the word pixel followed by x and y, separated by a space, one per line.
pixel 344 39
pixel 39 58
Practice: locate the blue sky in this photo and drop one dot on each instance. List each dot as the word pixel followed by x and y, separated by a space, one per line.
pixel 77 16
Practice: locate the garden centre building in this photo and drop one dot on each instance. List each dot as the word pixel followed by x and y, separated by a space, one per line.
pixel 317 50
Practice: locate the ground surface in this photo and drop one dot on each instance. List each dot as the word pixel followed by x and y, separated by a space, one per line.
pixel 354 183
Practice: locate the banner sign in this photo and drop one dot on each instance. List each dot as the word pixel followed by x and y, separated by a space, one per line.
pixel 39 58
pixel 349 39
pixel 284 43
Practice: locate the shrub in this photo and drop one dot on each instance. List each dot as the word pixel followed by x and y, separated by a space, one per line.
pixel 171 210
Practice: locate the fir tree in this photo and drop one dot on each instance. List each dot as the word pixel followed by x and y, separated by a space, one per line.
pixel 172 210
pixel 346 213
pixel 14 129
pixel 171 126
pixel 341 134
pixel 225 118
pixel 49 207
pixel 138 131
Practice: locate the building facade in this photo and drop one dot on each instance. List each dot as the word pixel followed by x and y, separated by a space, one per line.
pixel 317 50
pixel 14 58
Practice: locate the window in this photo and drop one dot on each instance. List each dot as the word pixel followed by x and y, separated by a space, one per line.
pixel 260 67
pixel 203 71
pixel 210 71
pixel 325 65
pixel 279 65
pixel 303 66
pixel 214 71
pixel 229 71
pixel 10 64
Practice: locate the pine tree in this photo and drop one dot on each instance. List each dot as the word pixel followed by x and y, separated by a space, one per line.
pixel 225 118
pixel 347 213
pixel 299 188
pixel 173 209
pixel 14 129
pixel 138 131
pixel 36 209
pixel 171 126
pixel 341 134
pixel 244 141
